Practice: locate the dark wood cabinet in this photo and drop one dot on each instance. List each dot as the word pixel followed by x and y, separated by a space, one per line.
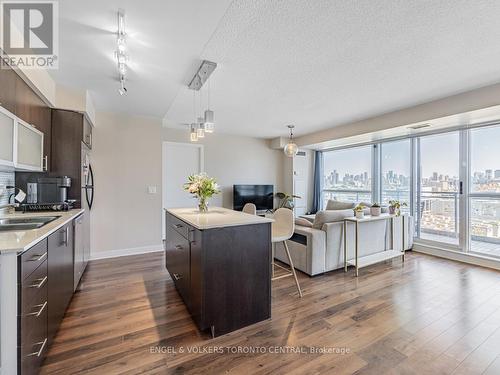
pixel 68 133
pixel 32 308
pixel 222 274
pixel 60 276
pixel 8 89
pixel 45 288
pixel 19 98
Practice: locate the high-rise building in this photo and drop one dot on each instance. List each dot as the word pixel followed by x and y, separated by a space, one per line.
pixel 497 173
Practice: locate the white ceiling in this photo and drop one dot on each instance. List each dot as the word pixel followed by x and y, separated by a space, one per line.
pixel 315 63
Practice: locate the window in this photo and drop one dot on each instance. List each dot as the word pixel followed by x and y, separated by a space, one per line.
pixel 438 198
pixel 395 171
pixel 450 182
pixel 484 198
pixel 348 175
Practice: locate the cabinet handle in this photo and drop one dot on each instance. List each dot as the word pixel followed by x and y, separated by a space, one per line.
pixel 40 284
pixel 39 352
pixel 177 277
pixel 45 163
pixel 177 226
pixel 37 314
pixel 37 257
pixel 179 247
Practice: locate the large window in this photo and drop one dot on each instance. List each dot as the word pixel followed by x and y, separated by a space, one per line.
pixel 438 200
pixel 485 191
pixel 450 182
pixel 348 175
pixel 395 171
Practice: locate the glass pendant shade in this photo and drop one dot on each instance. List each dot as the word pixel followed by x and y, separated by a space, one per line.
pixel 209 128
pixel 194 133
pixel 291 149
pixel 209 117
pixel 201 131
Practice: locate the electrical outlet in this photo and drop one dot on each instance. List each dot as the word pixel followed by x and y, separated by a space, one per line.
pixel 152 189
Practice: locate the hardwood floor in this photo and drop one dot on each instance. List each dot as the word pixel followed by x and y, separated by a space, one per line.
pixel 428 316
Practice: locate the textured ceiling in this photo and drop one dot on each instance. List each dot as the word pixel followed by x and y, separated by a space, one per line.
pixel 318 64
pixel 315 63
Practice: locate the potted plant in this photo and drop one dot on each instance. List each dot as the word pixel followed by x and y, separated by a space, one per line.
pixel 395 207
pixel 286 200
pixel 358 211
pixel 375 209
pixel 202 187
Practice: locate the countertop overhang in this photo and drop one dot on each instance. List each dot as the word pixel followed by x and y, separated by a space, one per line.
pixel 19 241
pixel 216 217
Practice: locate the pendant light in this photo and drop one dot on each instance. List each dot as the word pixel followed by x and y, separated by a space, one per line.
pixel 201 128
pixel 194 133
pixel 291 148
pixel 209 115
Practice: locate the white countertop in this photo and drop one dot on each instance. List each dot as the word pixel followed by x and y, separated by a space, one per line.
pixel 19 241
pixel 216 217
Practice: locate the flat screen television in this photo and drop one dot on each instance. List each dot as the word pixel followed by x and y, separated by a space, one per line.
pixel 260 195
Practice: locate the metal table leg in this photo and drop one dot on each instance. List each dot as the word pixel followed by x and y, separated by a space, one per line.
pixel 345 246
pixel 357 242
pixel 403 235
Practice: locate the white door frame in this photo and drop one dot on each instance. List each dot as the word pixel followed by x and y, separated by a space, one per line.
pixel 163 172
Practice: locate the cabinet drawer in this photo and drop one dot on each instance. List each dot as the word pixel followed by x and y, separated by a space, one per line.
pixel 32 258
pixel 178 262
pixel 33 316
pixel 178 225
pixel 34 344
pixel 32 285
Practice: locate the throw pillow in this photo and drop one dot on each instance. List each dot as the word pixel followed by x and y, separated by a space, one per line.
pixel 331 216
pixel 338 205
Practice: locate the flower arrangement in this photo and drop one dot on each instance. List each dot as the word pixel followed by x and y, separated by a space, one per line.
pixel 202 187
pixel 395 207
pixel 358 211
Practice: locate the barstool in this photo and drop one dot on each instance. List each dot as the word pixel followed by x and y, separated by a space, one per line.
pixel 250 208
pixel 282 230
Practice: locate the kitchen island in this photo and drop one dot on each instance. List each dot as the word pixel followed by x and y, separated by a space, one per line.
pixel 220 262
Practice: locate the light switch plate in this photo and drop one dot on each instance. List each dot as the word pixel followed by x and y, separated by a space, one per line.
pixel 152 189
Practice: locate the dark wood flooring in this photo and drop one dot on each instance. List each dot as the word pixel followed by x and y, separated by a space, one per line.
pixel 428 316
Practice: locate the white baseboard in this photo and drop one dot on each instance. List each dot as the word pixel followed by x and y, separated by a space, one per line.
pixel 477 260
pixel 95 255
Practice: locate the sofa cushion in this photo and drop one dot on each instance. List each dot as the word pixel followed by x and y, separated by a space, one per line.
pixel 338 205
pixel 330 216
pixel 303 222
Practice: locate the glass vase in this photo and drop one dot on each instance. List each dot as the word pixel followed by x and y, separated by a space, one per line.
pixel 202 205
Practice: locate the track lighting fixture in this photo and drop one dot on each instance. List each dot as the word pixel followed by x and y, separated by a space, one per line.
pixel 120 53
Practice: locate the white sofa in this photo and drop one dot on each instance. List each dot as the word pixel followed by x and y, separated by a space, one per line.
pixel 319 250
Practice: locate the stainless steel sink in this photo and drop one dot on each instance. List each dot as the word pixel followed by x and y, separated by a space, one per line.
pixel 25 223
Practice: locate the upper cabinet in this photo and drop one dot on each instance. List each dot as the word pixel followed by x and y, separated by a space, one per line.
pixel 21 145
pixel 7 129
pixel 21 102
pixel 29 147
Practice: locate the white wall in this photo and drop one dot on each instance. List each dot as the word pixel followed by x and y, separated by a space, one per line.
pixel 126 158
pixel 235 160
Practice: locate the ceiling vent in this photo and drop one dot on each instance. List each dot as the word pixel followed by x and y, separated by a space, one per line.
pixel 420 126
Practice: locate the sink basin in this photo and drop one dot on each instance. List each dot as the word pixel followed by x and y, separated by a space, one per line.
pixel 25 223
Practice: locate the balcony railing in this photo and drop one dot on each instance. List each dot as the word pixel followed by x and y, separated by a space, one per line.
pixel 441 208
